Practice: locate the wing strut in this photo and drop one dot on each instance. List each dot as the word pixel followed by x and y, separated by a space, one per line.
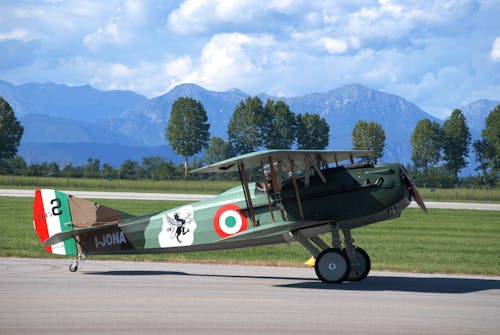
pixel 248 198
pixel 267 193
pixel 292 172
pixel 276 188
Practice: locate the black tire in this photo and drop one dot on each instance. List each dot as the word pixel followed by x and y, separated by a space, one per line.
pixel 332 266
pixel 73 267
pixel 364 265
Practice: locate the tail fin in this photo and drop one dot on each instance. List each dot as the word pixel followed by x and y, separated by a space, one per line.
pixel 52 215
pixel 60 217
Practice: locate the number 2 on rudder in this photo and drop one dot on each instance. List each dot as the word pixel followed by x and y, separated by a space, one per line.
pixel 56 210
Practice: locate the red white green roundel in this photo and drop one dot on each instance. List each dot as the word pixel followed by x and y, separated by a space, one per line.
pixel 229 221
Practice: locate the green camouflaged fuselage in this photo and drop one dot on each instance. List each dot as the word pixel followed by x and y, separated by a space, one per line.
pixel 350 197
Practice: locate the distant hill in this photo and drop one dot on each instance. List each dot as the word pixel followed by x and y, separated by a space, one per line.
pixel 477 112
pixel 113 126
pixel 345 106
pixel 49 129
pixel 70 102
pixel 342 108
pixel 148 123
pixel 78 153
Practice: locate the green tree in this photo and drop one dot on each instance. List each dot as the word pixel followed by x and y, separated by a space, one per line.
pixel 11 131
pixel 369 136
pixel 491 140
pixel 312 131
pixel 456 140
pixel 92 168
pixel 217 150
pixel 166 170
pixel 44 169
pixel 426 144
pixel 246 125
pixel 108 172
pixel 15 166
pixel 129 170
pixel 51 169
pixel 70 171
pixel 150 165
pixel 157 168
pixel 279 130
pixel 187 130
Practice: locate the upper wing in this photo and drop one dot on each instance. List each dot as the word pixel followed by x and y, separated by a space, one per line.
pixel 257 159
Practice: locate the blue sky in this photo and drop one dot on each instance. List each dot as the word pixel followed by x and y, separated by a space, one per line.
pixel 437 54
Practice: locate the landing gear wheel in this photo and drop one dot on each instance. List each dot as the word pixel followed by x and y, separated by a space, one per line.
pixel 73 267
pixel 332 266
pixel 362 268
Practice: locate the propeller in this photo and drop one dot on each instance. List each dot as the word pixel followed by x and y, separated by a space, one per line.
pixel 410 186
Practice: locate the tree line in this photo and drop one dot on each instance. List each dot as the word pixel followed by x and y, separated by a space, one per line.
pixel 253 126
pixel 155 168
pixel 439 153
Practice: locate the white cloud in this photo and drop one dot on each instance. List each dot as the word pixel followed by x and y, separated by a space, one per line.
pixel 16 34
pixel 230 58
pixel 120 27
pixel 387 21
pixel 195 16
pixel 134 11
pixel 333 45
pixel 495 50
pixel 198 16
pixel 179 68
pixel 107 35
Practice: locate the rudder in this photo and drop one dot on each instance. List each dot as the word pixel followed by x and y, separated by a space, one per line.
pixel 52 215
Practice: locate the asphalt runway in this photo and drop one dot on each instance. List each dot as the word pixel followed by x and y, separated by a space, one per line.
pixel 111 297
pixel 197 197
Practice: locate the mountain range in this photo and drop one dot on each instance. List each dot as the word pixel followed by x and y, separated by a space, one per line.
pixel 72 123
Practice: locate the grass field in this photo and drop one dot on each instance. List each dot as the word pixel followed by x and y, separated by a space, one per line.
pixel 144 185
pixel 461 194
pixel 207 187
pixel 443 241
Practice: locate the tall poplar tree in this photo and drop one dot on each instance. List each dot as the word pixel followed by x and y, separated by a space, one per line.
pixel 187 130
pixel 456 140
pixel 279 125
pixel 245 129
pixel 488 147
pixel 369 136
pixel 11 131
pixel 313 132
pixel 217 150
pixel 426 144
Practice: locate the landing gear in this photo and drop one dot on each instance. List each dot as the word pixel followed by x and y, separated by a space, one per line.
pixel 332 266
pixel 73 267
pixel 337 264
pixel 360 268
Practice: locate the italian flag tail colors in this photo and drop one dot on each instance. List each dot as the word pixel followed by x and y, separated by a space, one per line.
pixel 52 215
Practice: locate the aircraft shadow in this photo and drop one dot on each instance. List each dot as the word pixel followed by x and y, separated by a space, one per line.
pixel 371 283
pixel 178 273
pixel 136 273
pixel 406 284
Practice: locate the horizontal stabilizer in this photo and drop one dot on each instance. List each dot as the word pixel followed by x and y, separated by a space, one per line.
pixel 63 236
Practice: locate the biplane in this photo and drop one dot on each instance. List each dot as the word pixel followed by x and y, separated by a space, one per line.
pixel 297 196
